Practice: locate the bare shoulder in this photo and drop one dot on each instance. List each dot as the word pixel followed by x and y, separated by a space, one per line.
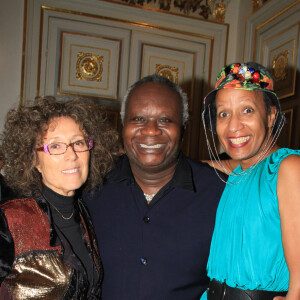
pixel 288 192
pixel 290 165
pixel 289 178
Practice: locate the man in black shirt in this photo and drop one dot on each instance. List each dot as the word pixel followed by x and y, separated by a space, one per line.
pixel 155 214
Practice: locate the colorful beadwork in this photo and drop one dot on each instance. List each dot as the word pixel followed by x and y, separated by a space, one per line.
pixel 243 72
pixel 243 76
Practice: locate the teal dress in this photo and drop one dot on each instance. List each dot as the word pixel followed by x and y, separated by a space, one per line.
pixel 246 249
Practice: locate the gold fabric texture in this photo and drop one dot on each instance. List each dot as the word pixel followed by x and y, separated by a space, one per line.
pixel 39 275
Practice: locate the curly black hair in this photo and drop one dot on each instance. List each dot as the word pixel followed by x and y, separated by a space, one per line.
pixel 26 126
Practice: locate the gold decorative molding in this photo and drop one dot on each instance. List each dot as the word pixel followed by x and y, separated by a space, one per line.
pixel 260 26
pixel 169 65
pixel 276 15
pixel 120 21
pixel 280 65
pixel 200 9
pixel 47 8
pixel 133 23
pixel 167 71
pixel 88 64
pixel 23 53
pixel 256 4
pixel 280 50
pixel 89 67
pixel 219 12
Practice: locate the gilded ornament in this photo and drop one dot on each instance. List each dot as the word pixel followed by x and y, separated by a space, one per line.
pixel 219 12
pixel 255 5
pixel 201 7
pixel 167 71
pixel 89 66
pixel 280 65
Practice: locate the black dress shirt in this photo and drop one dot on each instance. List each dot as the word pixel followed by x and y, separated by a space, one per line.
pixel 157 251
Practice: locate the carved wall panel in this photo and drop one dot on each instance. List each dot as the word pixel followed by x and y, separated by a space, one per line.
pixel 272 39
pixel 98 50
pixel 89 65
pixel 182 62
pixel 280 55
pixel 83 59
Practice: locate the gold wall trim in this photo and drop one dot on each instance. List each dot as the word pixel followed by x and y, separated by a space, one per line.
pixel 98 37
pixel 44 7
pixel 211 38
pixel 163 11
pixel 258 27
pixel 277 35
pixel 178 50
pixel 23 54
pixel 167 71
pixel 295 54
pixel 277 15
pixel 280 65
pixel 210 64
pixel 40 54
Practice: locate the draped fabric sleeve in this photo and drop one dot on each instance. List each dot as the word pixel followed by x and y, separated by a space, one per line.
pixel 6 248
pixel 274 162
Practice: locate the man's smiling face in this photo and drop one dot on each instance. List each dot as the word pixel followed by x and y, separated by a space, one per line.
pixel 153 127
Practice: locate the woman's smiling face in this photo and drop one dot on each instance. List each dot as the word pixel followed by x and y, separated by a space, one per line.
pixel 243 124
pixel 66 172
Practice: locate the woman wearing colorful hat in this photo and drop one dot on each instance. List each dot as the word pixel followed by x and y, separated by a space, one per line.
pixel 255 249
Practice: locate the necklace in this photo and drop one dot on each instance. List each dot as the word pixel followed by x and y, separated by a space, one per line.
pixel 149 197
pixel 65 218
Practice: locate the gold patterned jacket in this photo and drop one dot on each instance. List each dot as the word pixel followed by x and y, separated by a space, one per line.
pixel 36 261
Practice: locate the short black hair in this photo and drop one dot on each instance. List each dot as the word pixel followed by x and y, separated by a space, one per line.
pixel 162 80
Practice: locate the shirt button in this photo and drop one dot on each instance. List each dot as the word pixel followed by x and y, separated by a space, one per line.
pixel 143 261
pixel 146 220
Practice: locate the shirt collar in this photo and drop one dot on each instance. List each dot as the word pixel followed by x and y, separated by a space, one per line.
pixel 182 177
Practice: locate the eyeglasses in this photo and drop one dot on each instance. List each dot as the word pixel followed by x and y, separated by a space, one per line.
pixel 61 148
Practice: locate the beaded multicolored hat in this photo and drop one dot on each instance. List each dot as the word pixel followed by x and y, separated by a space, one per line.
pixel 249 76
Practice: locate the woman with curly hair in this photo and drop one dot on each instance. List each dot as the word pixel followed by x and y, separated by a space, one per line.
pixel 51 150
